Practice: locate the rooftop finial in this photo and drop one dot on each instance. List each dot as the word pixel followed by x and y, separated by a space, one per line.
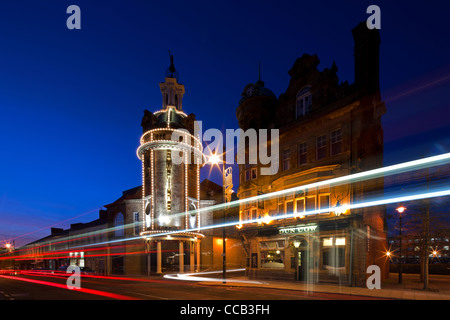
pixel 171 72
pixel 171 67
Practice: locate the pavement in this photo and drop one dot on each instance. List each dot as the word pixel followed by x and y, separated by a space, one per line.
pixel 410 289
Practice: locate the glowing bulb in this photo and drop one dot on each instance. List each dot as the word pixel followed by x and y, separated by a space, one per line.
pixel 401 209
pixel 267 219
pixel 214 159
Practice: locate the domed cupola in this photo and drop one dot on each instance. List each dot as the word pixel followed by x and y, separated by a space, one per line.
pixel 256 90
pixel 257 106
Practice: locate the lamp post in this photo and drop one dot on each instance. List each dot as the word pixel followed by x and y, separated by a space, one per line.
pixel 400 210
pixel 214 160
pixel 10 248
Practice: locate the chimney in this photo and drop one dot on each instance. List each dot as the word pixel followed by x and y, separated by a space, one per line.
pixel 55 231
pixel 102 214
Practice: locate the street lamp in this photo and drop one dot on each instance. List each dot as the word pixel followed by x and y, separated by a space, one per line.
pixel 214 159
pixel 400 210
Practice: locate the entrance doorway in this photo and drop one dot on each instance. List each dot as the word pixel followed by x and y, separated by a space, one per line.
pixel 302 261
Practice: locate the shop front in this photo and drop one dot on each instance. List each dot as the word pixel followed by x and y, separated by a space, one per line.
pixel 313 252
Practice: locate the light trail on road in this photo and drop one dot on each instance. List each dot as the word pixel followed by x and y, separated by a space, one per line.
pixel 82 290
pixel 195 277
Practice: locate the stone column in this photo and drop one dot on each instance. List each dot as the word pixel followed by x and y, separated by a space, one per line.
pixel 181 252
pixel 158 257
pixel 191 255
pixel 198 254
pixel 149 249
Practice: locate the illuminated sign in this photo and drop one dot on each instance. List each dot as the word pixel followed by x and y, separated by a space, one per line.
pixel 299 229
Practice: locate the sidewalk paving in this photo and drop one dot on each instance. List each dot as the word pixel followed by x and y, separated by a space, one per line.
pixel 411 287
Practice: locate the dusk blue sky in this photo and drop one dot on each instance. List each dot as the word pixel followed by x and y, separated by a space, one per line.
pixel 71 101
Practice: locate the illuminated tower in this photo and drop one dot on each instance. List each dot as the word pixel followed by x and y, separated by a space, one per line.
pixel 171 156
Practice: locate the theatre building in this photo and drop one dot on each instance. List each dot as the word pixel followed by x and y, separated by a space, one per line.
pixel 155 228
pixel 327 129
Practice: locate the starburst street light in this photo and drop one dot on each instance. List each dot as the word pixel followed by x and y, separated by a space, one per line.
pixel 9 246
pixel 214 159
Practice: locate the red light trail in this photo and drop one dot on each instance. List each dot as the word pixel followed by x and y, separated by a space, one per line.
pixel 83 290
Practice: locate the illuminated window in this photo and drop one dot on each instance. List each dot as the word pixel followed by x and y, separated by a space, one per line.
pixel 333 254
pixel 289 207
pixel 300 206
pixel 340 241
pixel 272 254
pixel 324 201
pixel 253 214
pixel 310 203
pixel 328 242
pixel 280 208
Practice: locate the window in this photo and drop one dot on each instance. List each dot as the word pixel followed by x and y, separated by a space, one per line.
pixel 303 104
pixel 324 201
pixel 333 254
pixel 280 208
pixel 286 157
pixel 336 142
pixel 247 175
pixel 246 215
pixel 302 153
pixel 310 204
pixel 272 254
pixel 118 224
pixel 300 207
pixel 321 147
pixel 253 173
pixel 136 222
pixel 289 207
pixel 253 214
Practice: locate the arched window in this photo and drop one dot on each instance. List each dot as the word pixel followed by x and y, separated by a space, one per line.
pixel 118 225
pixel 303 102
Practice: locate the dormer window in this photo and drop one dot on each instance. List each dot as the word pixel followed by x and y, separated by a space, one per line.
pixel 303 102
